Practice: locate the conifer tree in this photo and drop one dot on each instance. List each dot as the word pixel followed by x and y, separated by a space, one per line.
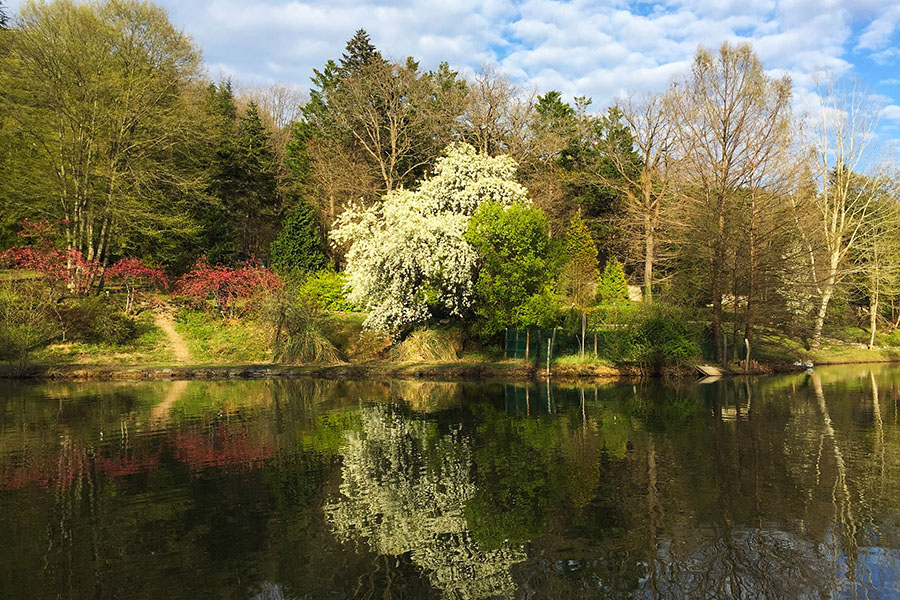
pixel 298 247
pixel 360 52
pixel 613 287
pixel 581 270
pixel 255 197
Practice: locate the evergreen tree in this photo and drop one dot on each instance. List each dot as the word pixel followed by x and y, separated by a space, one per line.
pixel 613 287
pixel 255 205
pixel 216 217
pixel 4 18
pixel 360 52
pixel 298 247
pixel 580 273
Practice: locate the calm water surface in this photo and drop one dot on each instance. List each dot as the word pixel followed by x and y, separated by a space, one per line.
pixel 782 487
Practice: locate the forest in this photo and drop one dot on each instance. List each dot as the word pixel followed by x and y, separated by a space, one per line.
pixel 397 212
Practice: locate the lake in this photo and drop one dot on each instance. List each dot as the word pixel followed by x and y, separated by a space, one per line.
pixel 777 487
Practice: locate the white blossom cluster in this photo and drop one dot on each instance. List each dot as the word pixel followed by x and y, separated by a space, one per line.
pixel 407 256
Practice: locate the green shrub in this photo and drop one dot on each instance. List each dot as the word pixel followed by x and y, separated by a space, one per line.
pixel 613 286
pixel 655 337
pixel 328 289
pixel 94 319
pixel 27 321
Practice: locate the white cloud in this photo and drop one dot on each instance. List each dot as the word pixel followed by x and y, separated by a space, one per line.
pixel 891 112
pixel 879 31
pixel 598 48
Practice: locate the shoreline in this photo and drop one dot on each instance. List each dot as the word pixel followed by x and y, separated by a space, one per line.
pixel 454 371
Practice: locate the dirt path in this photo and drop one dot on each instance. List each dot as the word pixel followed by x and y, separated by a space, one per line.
pixel 179 347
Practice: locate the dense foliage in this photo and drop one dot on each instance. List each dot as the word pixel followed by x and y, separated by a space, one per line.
pixel 446 200
pixel 299 245
pixel 515 263
pixel 407 258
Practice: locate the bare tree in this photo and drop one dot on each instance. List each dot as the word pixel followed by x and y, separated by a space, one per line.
pixel 645 186
pixel 499 115
pixel 846 204
pixel 727 117
pixel 280 102
pixel 400 118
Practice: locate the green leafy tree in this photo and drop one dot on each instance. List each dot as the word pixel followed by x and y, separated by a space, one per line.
pixel 298 247
pixel 103 92
pixel 580 273
pixel 514 261
pixel 613 286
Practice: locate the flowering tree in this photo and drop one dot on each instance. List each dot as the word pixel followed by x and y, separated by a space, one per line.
pixel 232 290
pixel 134 275
pixel 57 266
pixel 407 257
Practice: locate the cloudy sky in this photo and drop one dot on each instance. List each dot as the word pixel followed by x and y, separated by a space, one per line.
pixel 580 47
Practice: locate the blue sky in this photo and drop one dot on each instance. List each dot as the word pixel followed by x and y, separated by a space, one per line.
pixel 601 49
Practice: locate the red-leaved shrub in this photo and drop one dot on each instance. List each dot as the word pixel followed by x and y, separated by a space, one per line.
pixel 135 275
pixel 232 290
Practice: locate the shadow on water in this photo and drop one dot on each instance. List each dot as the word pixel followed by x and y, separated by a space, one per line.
pixel 779 487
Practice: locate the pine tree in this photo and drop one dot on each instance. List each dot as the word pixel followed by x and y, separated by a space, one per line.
pixel 298 247
pixel 254 197
pixel 359 53
pixel 581 270
pixel 613 287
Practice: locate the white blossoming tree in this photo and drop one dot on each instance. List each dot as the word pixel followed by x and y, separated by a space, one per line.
pixel 407 259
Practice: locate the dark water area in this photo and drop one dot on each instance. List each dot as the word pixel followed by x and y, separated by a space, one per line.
pixel 779 487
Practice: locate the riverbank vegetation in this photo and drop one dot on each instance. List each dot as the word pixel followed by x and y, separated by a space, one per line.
pixel 393 213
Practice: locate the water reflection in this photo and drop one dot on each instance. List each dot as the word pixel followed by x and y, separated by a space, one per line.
pixel 781 487
pixel 404 490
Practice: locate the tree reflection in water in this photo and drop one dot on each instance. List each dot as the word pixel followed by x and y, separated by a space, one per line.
pixel 404 490
pixel 780 487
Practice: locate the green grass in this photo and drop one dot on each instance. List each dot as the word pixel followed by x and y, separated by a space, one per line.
pixel 576 360
pixel 150 347
pixel 214 340
pixel 844 345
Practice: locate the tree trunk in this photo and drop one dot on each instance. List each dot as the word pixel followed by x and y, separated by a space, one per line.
pixel 583 331
pixel 716 276
pixel 873 317
pixel 648 259
pixel 873 297
pixel 827 292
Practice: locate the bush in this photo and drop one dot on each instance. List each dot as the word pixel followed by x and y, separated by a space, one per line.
pixel 328 289
pixel 26 321
pixel 655 337
pixel 429 345
pixel 299 337
pixel 93 319
pixel 232 290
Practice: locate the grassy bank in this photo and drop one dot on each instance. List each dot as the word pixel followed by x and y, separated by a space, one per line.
pixel 218 347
